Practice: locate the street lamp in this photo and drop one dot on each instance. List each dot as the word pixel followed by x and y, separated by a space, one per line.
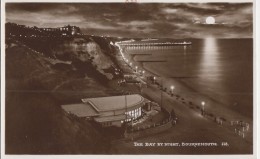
pixel 203 104
pixel 172 88
pixel 143 72
pixel 130 63
pixel 154 79
pixel 136 67
pixel 203 107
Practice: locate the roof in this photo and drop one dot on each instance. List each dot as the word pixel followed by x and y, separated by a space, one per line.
pixel 115 102
pixel 80 110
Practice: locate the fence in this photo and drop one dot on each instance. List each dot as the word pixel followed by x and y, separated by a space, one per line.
pixel 150 129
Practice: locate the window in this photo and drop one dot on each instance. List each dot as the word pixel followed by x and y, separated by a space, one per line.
pixel 107 124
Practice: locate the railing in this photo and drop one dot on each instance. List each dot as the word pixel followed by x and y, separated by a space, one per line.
pixel 151 129
pixel 240 127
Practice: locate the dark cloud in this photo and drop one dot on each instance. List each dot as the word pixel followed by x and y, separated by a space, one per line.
pixel 197 9
pixel 30 7
pixel 176 20
pixel 165 28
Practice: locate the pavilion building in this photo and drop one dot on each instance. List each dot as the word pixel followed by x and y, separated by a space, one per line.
pixel 110 111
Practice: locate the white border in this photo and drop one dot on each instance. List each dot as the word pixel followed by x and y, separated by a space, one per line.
pixel 2 78
pixel 256 63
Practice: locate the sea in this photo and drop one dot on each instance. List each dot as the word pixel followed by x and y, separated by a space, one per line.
pixel 216 71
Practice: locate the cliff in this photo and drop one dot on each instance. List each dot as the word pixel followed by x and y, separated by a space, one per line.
pixel 38 82
pixel 93 60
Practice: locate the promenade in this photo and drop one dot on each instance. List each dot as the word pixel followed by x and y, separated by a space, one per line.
pixel 191 126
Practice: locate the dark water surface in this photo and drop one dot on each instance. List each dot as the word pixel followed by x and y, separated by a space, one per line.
pixel 219 68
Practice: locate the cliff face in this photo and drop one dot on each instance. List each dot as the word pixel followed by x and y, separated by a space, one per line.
pixel 36 86
pixel 100 60
pixel 43 71
pixel 82 51
pixel 70 49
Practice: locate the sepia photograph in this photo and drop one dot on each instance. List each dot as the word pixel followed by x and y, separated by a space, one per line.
pixel 128 78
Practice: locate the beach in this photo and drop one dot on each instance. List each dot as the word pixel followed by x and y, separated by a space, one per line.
pixel 190 118
pixel 210 83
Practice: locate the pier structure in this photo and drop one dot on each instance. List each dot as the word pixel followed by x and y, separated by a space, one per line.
pixel 155 44
pixel 153 47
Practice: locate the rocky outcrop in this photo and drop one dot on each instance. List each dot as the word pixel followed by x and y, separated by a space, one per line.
pixel 81 50
pixel 99 59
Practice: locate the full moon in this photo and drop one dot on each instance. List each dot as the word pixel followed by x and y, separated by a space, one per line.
pixel 210 20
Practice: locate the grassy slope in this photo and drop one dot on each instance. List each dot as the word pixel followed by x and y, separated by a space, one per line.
pixel 35 123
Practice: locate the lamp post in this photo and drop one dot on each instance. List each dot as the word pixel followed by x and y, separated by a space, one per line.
pixel 203 107
pixel 154 79
pixel 162 92
pixel 136 67
pixel 172 88
pixel 126 114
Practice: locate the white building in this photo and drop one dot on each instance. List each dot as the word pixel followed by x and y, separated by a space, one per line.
pixel 109 111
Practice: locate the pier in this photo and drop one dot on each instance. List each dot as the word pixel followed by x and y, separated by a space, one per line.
pixel 155 44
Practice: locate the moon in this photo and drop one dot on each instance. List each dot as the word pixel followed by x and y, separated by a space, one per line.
pixel 210 20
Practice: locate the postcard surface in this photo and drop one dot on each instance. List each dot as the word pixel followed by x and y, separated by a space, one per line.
pixel 128 78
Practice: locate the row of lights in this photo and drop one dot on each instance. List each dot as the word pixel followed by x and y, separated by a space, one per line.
pixel 172 88
pixel 130 64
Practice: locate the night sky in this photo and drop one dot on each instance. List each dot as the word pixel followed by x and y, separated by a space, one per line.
pixel 175 20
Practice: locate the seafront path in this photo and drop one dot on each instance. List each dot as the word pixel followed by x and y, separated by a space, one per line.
pixel 191 127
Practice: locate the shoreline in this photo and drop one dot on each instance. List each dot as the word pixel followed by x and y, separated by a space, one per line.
pixel 195 95
pixel 187 90
pixel 218 108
